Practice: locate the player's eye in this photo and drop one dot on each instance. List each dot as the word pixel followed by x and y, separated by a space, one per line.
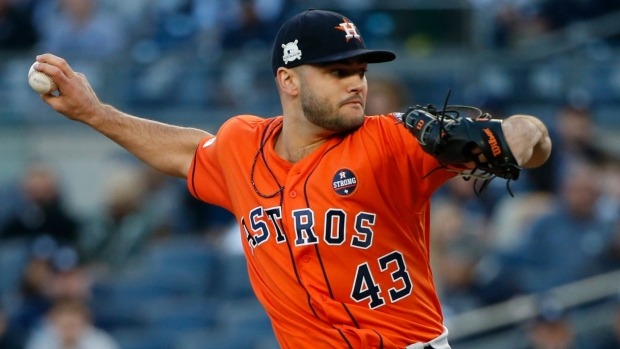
pixel 341 73
pixel 338 72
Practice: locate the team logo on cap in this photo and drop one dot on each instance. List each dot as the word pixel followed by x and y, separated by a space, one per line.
pixel 344 182
pixel 350 29
pixel 291 52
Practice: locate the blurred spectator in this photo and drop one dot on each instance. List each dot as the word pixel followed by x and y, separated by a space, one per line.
pixel 197 217
pixel 609 209
pixel 120 231
pixel 514 216
pixel 552 329
pixel 387 95
pixel 172 24
pixel 73 283
pixel 576 132
pixel 478 207
pixel 8 339
pixel 457 248
pixel 162 198
pixel 34 298
pixel 45 281
pixel 240 22
pixel 612 257
pixel 79 27
pixel 609 338
pixel 38 210
pixel 574 140
pixel 513 22
pixel 610 204
pixel 527 19
pixel 567 244
pixel 135 14
pixel 560 13
pixel 69 326
pixel 17 31
pixel 473 273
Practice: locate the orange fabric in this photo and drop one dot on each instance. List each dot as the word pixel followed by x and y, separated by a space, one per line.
pixel 340 257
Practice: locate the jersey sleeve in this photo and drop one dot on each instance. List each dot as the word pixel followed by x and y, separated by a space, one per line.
pixel 424 168
pixel 206 180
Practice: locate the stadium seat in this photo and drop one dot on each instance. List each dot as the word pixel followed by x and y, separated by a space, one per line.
pixel 176 315
pixel 216 339
pixel 233 280
pixel 138 339
pixel 184 266
pixel 13 259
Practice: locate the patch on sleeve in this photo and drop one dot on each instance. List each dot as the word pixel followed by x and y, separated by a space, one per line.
pixel 397 116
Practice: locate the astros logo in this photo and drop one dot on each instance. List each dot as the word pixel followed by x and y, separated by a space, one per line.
pixel 350 29
pixel 344 182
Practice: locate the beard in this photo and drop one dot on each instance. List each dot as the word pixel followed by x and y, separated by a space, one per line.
pixel 320 113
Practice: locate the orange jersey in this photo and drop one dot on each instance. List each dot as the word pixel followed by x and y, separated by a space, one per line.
pixel 339 257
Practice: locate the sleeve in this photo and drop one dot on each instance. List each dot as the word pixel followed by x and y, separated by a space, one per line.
pixel 206 178
pixel 425 168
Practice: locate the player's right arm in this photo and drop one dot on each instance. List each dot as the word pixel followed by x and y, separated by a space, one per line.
pixel 167 148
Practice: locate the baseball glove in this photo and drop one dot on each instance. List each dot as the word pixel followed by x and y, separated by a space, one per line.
pixel 452 135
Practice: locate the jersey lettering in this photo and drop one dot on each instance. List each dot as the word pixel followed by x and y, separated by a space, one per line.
pixel 335 227
pixel 275 216
pixel 248 237
pixel 304 227
pixel 259 225
pixel 363 237
pixel 266 222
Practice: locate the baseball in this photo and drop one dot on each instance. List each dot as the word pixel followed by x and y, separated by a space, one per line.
pixel 40 82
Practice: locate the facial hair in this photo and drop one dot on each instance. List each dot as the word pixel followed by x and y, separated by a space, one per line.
pixel 319 112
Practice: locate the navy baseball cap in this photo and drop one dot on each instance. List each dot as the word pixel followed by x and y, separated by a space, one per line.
pixel 317 36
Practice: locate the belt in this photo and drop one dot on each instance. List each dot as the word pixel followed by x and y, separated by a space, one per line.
pixel 441 342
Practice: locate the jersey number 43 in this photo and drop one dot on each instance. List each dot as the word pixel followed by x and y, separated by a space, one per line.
pixel 365 287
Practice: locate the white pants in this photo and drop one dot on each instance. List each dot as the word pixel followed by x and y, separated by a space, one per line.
pixel 441 342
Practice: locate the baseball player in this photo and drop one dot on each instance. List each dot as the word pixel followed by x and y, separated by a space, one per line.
pixel 333 205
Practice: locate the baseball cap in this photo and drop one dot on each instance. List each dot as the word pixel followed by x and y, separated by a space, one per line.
pixel 318 36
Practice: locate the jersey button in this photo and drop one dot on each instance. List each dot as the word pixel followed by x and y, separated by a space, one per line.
pixel 305 259
pixel 293 194
pixel 323 297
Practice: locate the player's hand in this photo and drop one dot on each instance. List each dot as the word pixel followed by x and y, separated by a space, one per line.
pixel 477 152
pixel 76 98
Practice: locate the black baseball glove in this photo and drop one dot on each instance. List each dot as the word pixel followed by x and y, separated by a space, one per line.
pixel 453 134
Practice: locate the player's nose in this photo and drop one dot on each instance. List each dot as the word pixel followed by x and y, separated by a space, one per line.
pixel 356 83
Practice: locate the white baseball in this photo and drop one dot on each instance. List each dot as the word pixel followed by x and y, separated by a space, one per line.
pixel 40 82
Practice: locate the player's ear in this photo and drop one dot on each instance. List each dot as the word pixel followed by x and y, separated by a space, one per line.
pixel 287 81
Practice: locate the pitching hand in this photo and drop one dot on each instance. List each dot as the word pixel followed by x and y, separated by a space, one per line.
pixel 76 98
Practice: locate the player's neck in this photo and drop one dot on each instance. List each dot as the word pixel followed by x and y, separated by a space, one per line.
pixel 293 146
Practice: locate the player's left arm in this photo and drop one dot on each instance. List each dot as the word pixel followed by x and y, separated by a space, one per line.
pixel 495 147
pixel 528 139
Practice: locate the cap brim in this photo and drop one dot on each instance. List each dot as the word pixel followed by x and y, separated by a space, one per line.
pixel 369 56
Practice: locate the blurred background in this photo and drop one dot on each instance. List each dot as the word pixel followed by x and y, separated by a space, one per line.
pixel 97 251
